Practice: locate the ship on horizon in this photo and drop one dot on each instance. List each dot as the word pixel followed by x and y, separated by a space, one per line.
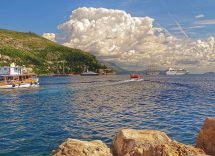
pixel 173 71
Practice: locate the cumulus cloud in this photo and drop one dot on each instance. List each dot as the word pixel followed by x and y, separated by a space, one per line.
pixel 117 36
pixel 49 36
pixel 200 16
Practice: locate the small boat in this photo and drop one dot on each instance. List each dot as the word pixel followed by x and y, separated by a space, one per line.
pixel 89 73
pixel 14 77
pixel 134 76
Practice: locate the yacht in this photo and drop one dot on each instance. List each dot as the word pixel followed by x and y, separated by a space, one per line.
pixel 173 71
pixel 89 73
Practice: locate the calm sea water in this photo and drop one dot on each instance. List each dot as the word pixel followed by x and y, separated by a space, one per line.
pixel 35 121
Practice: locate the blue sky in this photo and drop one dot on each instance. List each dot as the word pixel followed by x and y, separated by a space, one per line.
pixel 45 15
pixel 187 38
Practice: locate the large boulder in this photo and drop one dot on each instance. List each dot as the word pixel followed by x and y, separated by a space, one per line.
pixel 206 137
pixel 73 147
pixel 150 143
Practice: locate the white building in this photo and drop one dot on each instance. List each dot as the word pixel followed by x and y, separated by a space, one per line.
pixel 11 70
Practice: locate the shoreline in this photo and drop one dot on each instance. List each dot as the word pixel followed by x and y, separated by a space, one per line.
pixel 74 75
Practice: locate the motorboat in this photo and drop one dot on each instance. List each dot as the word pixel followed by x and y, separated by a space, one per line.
pixel 135 76
pixel 89 73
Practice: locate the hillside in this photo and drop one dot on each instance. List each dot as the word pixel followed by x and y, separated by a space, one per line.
pixel 115 67
pixel 44 56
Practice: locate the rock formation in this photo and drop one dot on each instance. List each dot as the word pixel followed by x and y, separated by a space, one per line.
pixel 206 137
pixel 73 147
pixel 150 143
pixel 129 142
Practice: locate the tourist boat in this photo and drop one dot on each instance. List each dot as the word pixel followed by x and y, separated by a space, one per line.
pixel 173 71
pixel 89 73
pixel 14 77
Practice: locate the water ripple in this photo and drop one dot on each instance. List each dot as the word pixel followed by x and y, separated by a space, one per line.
pixel 35 121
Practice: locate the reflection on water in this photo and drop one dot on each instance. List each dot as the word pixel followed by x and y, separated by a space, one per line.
pixel 34 121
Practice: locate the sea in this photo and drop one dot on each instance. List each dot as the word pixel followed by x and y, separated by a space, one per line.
pixel 35 121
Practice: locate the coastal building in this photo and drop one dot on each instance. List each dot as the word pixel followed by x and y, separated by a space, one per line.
pixel 11 70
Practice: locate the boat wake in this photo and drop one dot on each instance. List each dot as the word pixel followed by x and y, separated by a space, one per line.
pixel 91 84
pixel 126 81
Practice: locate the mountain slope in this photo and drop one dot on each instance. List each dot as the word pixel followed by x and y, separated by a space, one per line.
pixel 44 56
pixel 115 67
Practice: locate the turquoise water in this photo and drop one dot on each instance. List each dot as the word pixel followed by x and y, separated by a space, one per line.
pixel 35 121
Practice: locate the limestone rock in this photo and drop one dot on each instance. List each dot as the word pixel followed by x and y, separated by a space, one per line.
pixel 206 137
pixel 150 143
pixel 138 142
pixel 73 147
pixel 177 149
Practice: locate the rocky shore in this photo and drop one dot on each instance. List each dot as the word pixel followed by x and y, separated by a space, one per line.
pixel 130 142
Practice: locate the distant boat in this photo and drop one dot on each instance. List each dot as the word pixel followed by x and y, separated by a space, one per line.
pixel 134 76
pixel 173 71
pixel 89 73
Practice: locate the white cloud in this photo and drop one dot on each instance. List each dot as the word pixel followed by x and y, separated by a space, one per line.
pixel 206 22
pixel 200 16
pixel 49 36
pixel 116 35
pixel 196 27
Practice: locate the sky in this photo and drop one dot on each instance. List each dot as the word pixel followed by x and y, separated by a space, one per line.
pixel 180 33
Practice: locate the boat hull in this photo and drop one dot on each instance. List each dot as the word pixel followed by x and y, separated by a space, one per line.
pixel 175 73
pixel 26 85
pixel 135 76
pixel 90 74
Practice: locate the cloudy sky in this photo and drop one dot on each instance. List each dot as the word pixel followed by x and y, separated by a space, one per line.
pixel 131 33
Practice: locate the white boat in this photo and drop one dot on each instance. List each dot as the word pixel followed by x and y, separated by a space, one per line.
pixel 89 73
pixel 13 77
pixel 173 71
